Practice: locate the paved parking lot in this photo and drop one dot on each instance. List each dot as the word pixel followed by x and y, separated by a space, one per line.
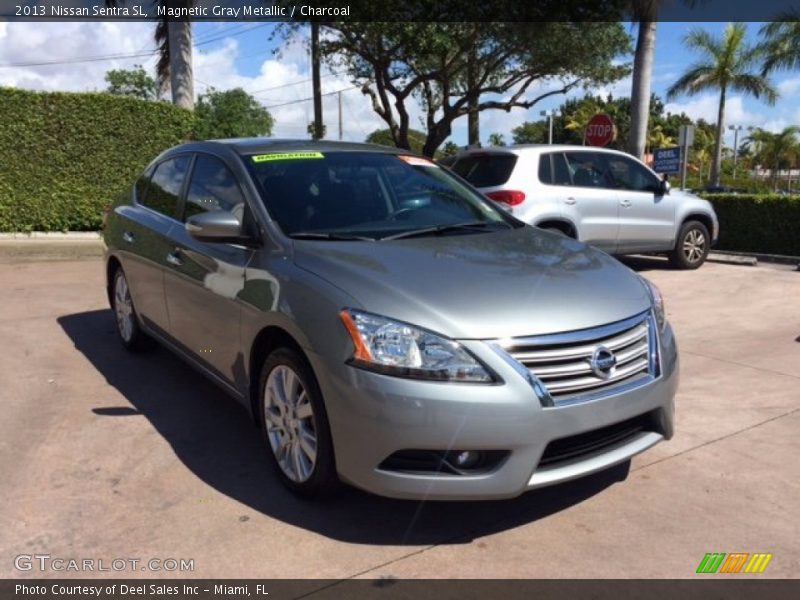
pixel 105 455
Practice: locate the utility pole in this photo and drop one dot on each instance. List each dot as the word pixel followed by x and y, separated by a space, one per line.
pixel 549 114
pixel 340 115
pixel 318 127
pixel 736 129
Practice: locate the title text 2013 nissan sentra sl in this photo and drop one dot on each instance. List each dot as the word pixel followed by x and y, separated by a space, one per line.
pixel 385 323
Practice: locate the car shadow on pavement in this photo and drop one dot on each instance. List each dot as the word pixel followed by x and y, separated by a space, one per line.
pixel 641 263
pixel 218 442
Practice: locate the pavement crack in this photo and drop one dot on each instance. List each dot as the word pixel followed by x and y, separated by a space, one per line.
pixel 740 364
pixel 715 440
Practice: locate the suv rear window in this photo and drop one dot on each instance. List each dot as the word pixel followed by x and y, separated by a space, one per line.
pixel 486 170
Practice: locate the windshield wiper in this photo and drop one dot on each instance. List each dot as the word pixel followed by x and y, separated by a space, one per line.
pixel 441 229
pixel 319 235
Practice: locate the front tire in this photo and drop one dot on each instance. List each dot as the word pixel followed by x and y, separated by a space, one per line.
pixel 128 329
pixel 295 425
pixel 692 246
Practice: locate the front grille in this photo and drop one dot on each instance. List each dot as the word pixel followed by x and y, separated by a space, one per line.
pixel 562 362
pixel 594 441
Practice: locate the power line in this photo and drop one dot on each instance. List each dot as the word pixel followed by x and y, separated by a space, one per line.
pixel 355 87
pixel 285 85
pixel 118 56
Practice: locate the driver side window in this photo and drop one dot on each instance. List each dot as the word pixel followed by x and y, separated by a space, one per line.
pixel 630 175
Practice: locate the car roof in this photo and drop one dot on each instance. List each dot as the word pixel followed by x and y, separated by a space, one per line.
pixel 533 148
pixel 255 145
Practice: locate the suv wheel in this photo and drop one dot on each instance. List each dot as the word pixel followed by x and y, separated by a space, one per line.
pixel 295 425
pixel 692 246
pixel 130 333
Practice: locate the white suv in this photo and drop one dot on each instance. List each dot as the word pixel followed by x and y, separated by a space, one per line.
pixel 603 197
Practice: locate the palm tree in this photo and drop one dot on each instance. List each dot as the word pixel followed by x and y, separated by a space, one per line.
pixel 727 63
pixel 497 139
pixel 782 42
pixel 657 138
pixel 174 41
pixel 645 12
pixel 775 150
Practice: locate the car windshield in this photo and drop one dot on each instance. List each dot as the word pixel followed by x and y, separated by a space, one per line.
pixel 368 195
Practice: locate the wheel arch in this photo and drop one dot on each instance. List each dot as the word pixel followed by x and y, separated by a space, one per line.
pixel 112 264
pixel 563 225
pixel 268 339
pixel 703 218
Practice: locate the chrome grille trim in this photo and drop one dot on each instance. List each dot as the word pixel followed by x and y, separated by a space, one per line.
pixel 559 363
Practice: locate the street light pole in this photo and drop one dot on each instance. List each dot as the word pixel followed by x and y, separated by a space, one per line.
pixel 549 114
pixel 736 129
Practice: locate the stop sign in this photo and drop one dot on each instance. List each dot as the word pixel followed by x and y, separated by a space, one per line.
pixel 600 131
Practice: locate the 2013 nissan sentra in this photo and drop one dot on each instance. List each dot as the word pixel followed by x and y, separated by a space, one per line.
pixel 385 323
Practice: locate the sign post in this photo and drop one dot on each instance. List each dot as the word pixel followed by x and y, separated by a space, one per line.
pixel 685 140
pixel 600 131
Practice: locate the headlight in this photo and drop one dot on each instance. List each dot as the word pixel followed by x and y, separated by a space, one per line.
pixel 395 348
pixel 658 303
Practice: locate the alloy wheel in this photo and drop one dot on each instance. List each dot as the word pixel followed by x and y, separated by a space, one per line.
pixel 694 245
pixel 123 308
pixel 290 423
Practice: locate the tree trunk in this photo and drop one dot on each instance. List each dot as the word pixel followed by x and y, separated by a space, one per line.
pixel 473 117
pixel 716 164
pixel 180 63
pixel 640 91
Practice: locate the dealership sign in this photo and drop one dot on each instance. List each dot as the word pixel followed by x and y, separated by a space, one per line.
pixel 600 131
pixel 667 160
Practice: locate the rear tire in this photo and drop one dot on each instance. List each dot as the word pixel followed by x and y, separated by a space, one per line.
pixel 691 247
pixel 127 320
pixel 295 425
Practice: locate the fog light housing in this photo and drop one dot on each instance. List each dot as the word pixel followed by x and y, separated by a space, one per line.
pixel 444 462
pixel 465 459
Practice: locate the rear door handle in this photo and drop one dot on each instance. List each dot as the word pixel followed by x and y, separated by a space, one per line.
pixel 174 257
pixel 128 237
pixel 569 200
pixel 625 203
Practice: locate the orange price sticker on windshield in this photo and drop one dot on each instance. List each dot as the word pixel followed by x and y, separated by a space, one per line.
pixel 417 161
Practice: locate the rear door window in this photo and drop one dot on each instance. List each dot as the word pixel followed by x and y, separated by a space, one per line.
pixel 588 169
pixel 553 169
pixel 486 170
pixel 165 186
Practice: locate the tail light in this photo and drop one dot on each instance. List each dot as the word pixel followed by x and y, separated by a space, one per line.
pixel 510 197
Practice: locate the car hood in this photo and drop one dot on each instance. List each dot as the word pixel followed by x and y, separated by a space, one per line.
pixel 481 286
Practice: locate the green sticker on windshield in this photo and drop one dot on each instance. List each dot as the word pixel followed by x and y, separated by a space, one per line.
pixel 259 158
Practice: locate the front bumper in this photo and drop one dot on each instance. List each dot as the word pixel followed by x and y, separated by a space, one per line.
pixel 372 416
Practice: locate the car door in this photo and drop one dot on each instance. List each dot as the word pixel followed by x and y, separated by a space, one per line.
pixel 646 216
pixel 590 200
pixel 145 237
pixel 202 280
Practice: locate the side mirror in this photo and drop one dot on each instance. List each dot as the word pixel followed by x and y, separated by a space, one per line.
pixel 218 226
pixel 664 187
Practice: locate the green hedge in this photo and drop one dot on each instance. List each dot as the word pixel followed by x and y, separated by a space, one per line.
pixel 769 224
pixel 65 156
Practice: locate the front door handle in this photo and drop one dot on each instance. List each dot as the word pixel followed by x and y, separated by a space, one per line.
pixel 569 200
pixel 174 257
pixel 625 203
pixel 128 237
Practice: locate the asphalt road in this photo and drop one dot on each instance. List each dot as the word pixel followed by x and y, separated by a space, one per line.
pixel 109 456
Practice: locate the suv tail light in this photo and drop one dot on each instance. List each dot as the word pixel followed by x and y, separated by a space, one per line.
pixel 510 197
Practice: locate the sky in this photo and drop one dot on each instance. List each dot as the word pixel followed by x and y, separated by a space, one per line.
pixel 230 54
